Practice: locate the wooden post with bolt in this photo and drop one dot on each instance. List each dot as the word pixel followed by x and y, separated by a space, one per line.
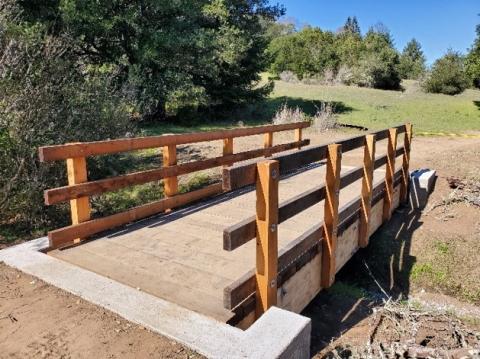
pixel 367 182
pixel 332 189
pixel 268 142
pixel 389 174
pixel 406 162
pixel 170 159
pixel 267 236
pixel 80 207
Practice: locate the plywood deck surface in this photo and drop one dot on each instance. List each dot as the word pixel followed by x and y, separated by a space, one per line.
pixel 179 256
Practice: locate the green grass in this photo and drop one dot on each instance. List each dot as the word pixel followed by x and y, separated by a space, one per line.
pixel 374 109
pixel 378 108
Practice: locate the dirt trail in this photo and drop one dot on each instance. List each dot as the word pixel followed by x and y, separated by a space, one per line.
pixel 41 321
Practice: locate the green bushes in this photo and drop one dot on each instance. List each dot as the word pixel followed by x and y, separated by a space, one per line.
pixel 472 61
pixel 47 97
pixel 345 57
pixel 447 76
pixel 412 61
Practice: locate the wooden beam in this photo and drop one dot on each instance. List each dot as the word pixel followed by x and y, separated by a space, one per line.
pixel 244 231
pixel 80 207
pixel 228 149
pixel 245 175
pixel 268 142
pixel 61 194
pixel 407 142
pixel 389 174
pixel 367 187
pixel 332 181
pixel 170 159
pixel 85 149
pixel 298 135
pixel 267 236
pixel 65 235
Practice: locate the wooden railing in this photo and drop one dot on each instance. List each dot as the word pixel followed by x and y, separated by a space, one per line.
pixel 79 189
pixel 258 289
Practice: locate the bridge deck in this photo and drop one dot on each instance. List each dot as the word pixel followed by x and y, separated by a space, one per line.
pixel 179 256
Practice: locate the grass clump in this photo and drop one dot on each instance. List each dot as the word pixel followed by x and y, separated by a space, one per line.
pixel 343 289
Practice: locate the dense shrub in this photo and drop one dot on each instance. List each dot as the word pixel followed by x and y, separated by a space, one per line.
pixel 345 57
pixel 447 76
pixel 473 61
pixel 46 97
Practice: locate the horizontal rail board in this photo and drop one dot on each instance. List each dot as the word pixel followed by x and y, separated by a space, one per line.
pixel 61 194
pixel 85 149
pixel 244 231
pixel 300 251
pixel 245 175
pixel 65 235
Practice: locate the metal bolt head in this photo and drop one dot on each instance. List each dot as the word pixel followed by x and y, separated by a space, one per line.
pixel 273 283
pixel 273 228
pixel 274 174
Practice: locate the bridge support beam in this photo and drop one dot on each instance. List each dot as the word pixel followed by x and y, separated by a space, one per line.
pixel 367 182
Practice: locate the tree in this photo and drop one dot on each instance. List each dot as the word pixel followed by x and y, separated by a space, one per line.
pixel 448 75
pixel 378 67
pixel 472 61
pixel 351 26
pixel 167 54
pixel 412 61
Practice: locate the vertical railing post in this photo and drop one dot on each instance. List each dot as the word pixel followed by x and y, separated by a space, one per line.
pixel 80 207
pixel 367 181
pixel 406 162
pixel 228 148
pixel 267 236
pixel 268 142
pixel 389 174
pixel 298 136
pixel 170 159
pixel 332 189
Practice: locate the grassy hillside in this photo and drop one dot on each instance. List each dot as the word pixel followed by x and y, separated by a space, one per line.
pixel 378 108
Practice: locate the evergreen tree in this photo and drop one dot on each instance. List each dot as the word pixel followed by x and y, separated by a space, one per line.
pixel 473 61
pixel 351 26
pixel 412 61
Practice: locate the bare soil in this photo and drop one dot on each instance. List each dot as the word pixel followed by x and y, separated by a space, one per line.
pixel 41 321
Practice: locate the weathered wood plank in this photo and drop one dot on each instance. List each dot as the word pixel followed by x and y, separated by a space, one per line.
pixel 228 149
pixel 65 193
pixel 170 159
pixel 330 222
pixel 85 149
pixel 267 236
pixel 65 235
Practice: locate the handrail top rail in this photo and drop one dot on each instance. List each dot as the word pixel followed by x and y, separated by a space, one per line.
pixel 85 149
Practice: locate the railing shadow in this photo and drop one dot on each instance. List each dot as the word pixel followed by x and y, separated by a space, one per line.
pixel 386 262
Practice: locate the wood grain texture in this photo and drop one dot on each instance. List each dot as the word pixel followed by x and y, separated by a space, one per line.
pixel 267 236
pixel 407 142
pixel 65 235
pixel 367 184
pixel 332 181
pixel 86 149
pixel 389 174
pixel 170 159
pixel 65 193
pixel 79 208
pixel 228 149
pixel 268 142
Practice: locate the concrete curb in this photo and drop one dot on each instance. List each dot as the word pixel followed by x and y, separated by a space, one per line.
pixel 277 334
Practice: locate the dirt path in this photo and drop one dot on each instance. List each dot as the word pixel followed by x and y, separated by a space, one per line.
pixel 41 321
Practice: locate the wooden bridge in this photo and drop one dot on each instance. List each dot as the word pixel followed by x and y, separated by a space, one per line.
pixel 307 206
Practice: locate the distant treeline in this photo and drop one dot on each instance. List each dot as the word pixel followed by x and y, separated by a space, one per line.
pixel 371 60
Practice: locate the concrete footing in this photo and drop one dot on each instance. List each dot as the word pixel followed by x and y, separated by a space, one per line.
pixel 277 334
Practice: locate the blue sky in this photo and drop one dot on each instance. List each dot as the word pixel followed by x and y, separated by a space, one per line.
pixel 437 24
